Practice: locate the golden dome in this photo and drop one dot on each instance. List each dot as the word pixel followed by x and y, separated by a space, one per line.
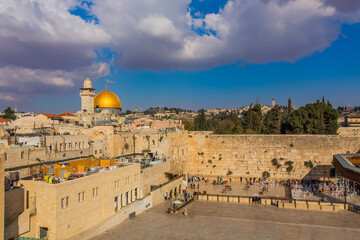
pixel 106 99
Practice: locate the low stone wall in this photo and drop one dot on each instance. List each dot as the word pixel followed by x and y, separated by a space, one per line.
pixel 319 206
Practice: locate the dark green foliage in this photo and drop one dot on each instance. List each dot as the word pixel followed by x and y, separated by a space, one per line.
pixel 253 120
pixel 290 168
pixel 309 164
pixel 9 114
pixel 274 162
pixel 200 123
pixel 316 118
pixel 229 172
pixel 265 174
pixel 289 163
pixel 272 121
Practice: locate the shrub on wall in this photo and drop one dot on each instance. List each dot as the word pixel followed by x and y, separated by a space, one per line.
pixel 265 174
pixel 289 168
pixel 289 163
pixel 274 162
pixel 229 172
pixel 309 164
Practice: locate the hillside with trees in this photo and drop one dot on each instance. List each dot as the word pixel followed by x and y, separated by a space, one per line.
pixel 314 118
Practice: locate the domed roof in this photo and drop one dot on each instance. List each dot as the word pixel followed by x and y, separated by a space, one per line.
pixel 106 99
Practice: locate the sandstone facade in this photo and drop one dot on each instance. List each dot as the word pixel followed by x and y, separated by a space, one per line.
pixel 210 155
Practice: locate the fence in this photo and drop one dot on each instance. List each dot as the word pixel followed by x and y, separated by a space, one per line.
pixel 281 202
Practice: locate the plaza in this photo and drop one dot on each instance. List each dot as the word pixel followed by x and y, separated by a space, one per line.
pixel 213 220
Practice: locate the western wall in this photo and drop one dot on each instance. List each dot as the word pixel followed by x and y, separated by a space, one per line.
pixel 250 155
pixel 210 155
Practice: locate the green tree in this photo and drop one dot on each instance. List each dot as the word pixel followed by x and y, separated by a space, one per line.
pixel 289 108
pixel 9 114
pixel 200 121
pixel 272 121
pixel 253 120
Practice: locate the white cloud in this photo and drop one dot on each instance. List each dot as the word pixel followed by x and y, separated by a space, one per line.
pixel 43 34
pixel 21 84
pixel 45 49
pixel 158 34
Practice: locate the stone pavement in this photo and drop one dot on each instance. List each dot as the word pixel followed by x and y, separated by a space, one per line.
pixel 213 220
pixel 238 189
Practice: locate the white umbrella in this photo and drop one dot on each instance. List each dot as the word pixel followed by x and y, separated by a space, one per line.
pixel 177 202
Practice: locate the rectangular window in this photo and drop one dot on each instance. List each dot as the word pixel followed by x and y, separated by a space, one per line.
pixel 136 194
pixel 83 196
pixel 95 152
pixel 97 191
pixel 5 155
pixel 116 203
pixel 63 203
pixel 93 192
pixel 79 197
pixel 67 201
pixel 22 155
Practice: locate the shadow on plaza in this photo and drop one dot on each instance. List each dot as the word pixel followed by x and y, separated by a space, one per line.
pixel 318 171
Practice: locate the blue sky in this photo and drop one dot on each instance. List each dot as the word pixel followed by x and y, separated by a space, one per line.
pixel 330 69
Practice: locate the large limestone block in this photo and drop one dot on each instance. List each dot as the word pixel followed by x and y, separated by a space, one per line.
pixel 301 205
pixel 223 198
pixel 314 207
pixel 233 199
pixel 327 208
pixel 289 205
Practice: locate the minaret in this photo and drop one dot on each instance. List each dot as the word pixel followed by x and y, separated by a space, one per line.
pixel 273 103
pixel 87 94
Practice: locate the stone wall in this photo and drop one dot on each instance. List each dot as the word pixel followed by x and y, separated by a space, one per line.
pixel 170 189
pixel 346 131
pixel 207 154
pixel 251 155
pixel 2 197
pixel 154 176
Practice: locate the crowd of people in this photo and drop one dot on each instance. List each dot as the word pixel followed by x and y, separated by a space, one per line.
pixel 302 188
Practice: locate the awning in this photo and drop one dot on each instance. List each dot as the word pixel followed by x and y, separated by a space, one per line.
pixel 174 172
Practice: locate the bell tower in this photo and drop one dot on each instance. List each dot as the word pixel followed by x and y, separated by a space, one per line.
pixel 87 94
